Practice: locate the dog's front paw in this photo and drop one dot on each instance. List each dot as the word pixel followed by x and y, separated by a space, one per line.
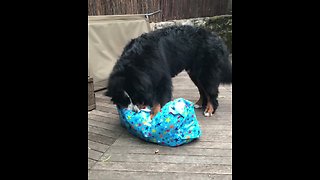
pixel 208 111
pixel 152 116
pixel 155 109
pixel 207 114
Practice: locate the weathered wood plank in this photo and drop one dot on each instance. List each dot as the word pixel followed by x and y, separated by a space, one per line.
pixel 179 88
pixel 104 119
pixel 91 163
pixel 95 155
pixel 104 114
pixel 100 94
pixel 103 100
pixel 105 103
pixel 166 158
pixel 225 122
pixel 164 150
pixel 207 135
pixel 217 121
pixel 216 127
pixel 216 133
pixel 206 132
pixel 97 146
pixel 222 101
pixel 101 85
pixel 163 167
pixel 120 175
pixel 194 94
pixel 106 109
pixel 100 138
pixel 104 132
pixel 184 83
pixel 133 142
pixel 103 125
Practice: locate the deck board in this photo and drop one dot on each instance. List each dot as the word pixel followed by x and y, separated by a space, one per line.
pixel 94 155
pixel 169 151
pixel 113 153
pixel 120 175
pixel 163 167
pixel 97 146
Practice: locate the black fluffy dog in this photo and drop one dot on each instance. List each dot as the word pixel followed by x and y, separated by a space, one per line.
pixel 148 63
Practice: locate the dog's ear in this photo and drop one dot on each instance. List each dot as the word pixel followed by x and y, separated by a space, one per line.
pixel 147 89
pixel 139 79
pixel 115 85
pixel 141 86
pixel 144 83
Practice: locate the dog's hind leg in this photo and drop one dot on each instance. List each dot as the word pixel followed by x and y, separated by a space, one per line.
pixel 202 100
pixel 211 93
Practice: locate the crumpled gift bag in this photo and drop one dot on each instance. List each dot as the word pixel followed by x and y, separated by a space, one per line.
pixel 174 125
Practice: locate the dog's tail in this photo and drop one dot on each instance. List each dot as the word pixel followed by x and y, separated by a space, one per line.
pixel 226 76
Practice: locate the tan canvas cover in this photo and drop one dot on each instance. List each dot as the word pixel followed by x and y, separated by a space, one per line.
pixel 107 36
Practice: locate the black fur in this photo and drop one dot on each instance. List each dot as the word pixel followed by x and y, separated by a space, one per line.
pixel 147 64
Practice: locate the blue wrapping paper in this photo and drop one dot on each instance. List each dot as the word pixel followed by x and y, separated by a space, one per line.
pixel 174 125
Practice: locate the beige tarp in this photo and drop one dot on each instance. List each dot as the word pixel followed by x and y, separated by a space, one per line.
pixel 107 36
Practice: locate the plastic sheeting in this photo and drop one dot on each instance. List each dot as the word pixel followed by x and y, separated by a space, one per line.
pixel 107 36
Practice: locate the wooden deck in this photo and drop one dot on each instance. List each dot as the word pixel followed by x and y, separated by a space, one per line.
pixel 114 154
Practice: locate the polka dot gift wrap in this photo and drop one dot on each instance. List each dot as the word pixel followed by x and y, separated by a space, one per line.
pixel 174 125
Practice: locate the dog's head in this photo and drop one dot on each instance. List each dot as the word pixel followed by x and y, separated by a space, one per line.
pixel 134 82
pixel 115 90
